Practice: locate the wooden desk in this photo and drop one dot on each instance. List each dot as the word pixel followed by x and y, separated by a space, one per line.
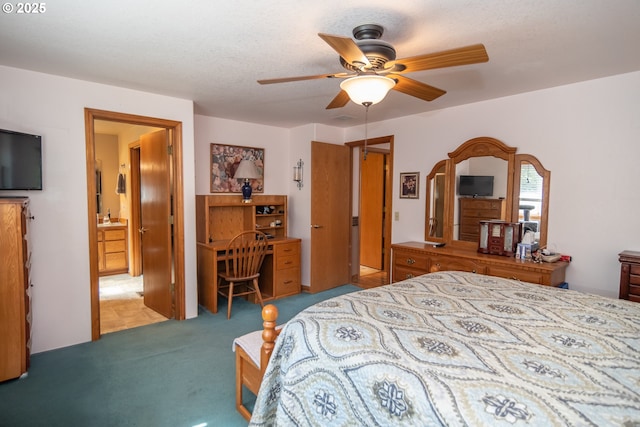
pixel 279 276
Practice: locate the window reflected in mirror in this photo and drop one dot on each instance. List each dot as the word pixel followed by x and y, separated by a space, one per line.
pixel 530 201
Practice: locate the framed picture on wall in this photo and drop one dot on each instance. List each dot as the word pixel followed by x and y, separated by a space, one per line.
pixel 409 182
pixel 225 160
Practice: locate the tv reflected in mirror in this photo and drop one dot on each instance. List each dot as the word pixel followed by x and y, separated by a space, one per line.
pixel 475 186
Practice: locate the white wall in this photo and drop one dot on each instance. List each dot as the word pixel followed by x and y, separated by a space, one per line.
pixel 283 149
pixel 587 134
pixel 274 140
pixel 53 107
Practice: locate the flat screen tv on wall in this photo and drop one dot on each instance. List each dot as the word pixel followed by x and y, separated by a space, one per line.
pixel 475 185
pixel 20 161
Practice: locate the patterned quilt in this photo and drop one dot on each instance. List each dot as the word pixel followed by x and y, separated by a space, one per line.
pixel 456 349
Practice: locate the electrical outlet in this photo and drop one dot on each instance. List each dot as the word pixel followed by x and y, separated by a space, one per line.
pixel 396 216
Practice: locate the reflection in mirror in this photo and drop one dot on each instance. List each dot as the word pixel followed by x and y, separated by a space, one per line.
pixel 436 202
pixel 530 200
pixel 531 196
pixel 489 205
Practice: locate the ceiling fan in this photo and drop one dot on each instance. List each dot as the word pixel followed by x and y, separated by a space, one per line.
pixel 371 56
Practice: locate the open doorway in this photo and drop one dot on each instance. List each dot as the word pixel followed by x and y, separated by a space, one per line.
pixel 120 272
pixel 373 182
pixel 128 211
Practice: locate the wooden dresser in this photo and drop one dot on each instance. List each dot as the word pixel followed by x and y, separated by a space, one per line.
pixel 630 275
pixel 474 210
pixel 412 259
pixel 15 290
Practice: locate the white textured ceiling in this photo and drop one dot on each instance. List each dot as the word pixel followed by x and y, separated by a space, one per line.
pixel 214 51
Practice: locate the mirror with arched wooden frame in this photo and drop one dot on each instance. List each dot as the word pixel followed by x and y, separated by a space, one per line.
pixel 526 199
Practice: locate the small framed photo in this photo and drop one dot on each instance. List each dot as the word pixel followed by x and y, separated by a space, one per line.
pixel 409 185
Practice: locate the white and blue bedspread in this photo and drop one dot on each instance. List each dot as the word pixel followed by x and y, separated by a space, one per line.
pixel 456 349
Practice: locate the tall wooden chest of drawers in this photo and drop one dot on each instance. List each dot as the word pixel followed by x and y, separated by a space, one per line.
pixel 15 288
pixel 630 275
pixel 474 210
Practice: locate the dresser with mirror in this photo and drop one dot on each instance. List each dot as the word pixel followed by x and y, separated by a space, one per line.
pixel 519 194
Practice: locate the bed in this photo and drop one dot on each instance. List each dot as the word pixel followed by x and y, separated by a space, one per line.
pixel 456 348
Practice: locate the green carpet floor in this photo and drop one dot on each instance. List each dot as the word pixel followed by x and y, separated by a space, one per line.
pixel 170 374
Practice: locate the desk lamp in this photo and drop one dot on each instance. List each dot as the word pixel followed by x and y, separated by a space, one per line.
pixel 246 170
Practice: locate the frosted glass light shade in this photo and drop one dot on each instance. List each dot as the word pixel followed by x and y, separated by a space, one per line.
pixel 367 88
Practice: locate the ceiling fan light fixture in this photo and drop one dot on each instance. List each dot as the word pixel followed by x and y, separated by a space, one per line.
pixel 367 89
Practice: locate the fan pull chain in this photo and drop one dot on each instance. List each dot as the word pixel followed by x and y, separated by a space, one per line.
pixel 366 122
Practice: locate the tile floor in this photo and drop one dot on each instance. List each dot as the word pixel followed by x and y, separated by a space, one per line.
pixel 122 305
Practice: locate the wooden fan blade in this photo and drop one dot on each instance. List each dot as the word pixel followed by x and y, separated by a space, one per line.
pixel 296 79
pixel 347 49
pixel 339 101
pixel 416 88
pixel 449 58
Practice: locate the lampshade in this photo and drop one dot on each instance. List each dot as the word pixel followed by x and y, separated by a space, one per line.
pixel 247 170
pixel 368 88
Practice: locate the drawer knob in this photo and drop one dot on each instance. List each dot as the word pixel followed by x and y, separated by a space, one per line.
pixel 286 282
pixel 409 276
pixel 411 261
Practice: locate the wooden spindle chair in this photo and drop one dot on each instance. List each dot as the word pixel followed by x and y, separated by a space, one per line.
pixel 243 259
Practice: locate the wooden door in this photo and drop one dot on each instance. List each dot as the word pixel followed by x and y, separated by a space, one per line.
pixel 330 216
pixel 155 209
pixel 372 176
pixel 135 247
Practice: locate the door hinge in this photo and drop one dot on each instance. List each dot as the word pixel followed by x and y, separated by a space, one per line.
pixel 171 219
pixel 170 150
pixel 172 287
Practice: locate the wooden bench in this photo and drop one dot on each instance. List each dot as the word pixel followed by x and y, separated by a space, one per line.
pixel 253 351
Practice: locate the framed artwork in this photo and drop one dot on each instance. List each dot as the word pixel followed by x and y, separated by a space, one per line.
pixel 224 162
pixel 409 185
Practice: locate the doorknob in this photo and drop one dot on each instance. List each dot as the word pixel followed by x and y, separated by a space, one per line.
pixel 316 226
pixel 142 230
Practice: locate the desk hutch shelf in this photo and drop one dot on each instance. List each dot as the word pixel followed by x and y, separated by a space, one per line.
pixel 222 217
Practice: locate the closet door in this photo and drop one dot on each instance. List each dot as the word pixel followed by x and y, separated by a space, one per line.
pixel 330 216
pixel 372 209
